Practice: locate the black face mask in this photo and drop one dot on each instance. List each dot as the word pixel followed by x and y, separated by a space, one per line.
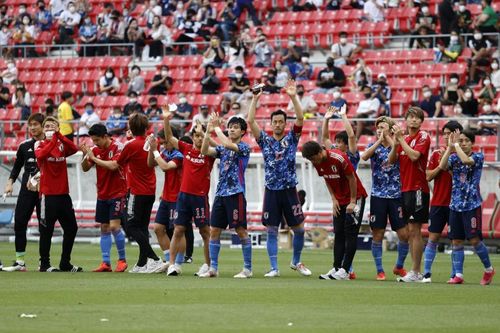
pixel 329 64
pixel 367 95
pixel 300 93
pixel 41 7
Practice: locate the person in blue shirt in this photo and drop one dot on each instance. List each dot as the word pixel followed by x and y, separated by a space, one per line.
pixel 465 166
pixel 338 101
pixel 116 122
pixel 280 196
pixel 43 17
pixel 88 35
pixel 430 103
pixel 385 197
pixel 229 207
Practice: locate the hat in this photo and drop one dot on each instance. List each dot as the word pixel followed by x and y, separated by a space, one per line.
pixel 382 75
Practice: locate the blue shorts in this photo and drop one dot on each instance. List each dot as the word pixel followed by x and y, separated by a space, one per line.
pixel 466 225
pixel 279 204
pixel 438 217
pixel 192 207
pixel 229 211
pixel 108 210
pixel 381 208
pixel 166 214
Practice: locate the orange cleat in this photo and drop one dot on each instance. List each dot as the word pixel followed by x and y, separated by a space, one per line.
pixel 399 271
pixel 487 277
pixel 381 276
pixel 104 267
pixel 121 266
pixel 352 276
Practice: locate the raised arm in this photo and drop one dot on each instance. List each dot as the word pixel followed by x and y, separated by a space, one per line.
pixel 251 115
pixel 169 136
pixel 368 153
pixel 325 137
pixel 43 152
pixel 205 147
pixel 291 90
pixel 225 141
pixel 69 147
pixel 393 155
pixel 467 160
pixel 352 142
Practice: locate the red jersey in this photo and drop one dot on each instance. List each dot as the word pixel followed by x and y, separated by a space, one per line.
pixel 134 159
pixel 173 177
pixel 196 170
pixel 51 158
pixel 413 173
pixel 335 169
pixel 110 183
pixel 441 194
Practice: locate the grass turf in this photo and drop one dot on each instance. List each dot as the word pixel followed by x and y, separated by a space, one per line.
pixel 78 302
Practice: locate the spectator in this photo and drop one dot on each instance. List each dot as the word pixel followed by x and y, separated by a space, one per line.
pixel 283 75
pixel 367 108
pixel 245 36
pixel 206 14
pixel 210 83
pixel 21 14
pixel 89 118
pixel 426 19
pixel 338 101
pixel 104 18
pixel 487 91
pixel 343 52
pixel 309 5
pixel 304 70
pixel 25 36
pixel 179 14
pixel 126 17
pixel 248 5
pixel 329 78
pixel 88 35
pixel 5 36
pixel 309 106
pixel 383 93
pixel 425 40
pixel 481 52
pixel 464 18
pixel 68 21
pixel 495 73
pixel 373 10
pixel 49 108
pixel 362 75
pixel 65 115
pixel 135 34
pixel 4 16
pixel 333 5
pixel 202 116
pixel 452 52
pixel 447 17
pixel 452 90
pixel 469 104
pixel 116 30
pixel 108 83
pixel 4 95
pixel 161 36
pixel 487 21
pixel 237 109
pixel 151 11
pixel 239 83
pixel 190 30
pixel 136 81
pixel 430 103
pixel 237 53
pixel 43 17
pixel 291 54
pixel 132 106
pixel 162 82
pixel 488 120
pixel 184 112
pixel 116 122
pixel 269 79
pixel 22 99
pixel 9 74
pixel 214 55
pixel 153 111
pixel 227 23
pixel 57 7
pixel 263 52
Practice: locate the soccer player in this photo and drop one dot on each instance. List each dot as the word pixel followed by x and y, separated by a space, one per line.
pixel 229 207
pixel 412 151
pixel 28 198
pixel 192 201
pixel 111 195
pixel 385 198
pixel 55 202
pixel 348 198
pixel 142 182
pixel 280 196
pixel 440 203
pixel 465 206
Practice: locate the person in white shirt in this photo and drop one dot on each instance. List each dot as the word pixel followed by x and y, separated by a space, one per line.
pixel 5 35
pixel 153 10
pixel 9 74
pixel 57 7
pixel 495 74
pixel 344 51
pixel 309 105
pixel 109 83
pixel 367 108
pixel 201 117
pixel 374 10
pixel 89 118
pixel 68 20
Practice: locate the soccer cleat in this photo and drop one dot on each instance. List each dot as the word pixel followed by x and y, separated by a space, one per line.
pixel 203 269
pixel 341 274
pixel 487 278
pixel 71 269
pixel 329 275
pixel 50 269
pixel 401 272
pixel 188 260
pixel 121 266
pixel 301 269
pixel 156 266
pixel 1 266
pixel 16 267
pixel 272 273
pixel 352 276
pixel 138 269
pixel 411 276
pixel 381 276
pixel 244 274
pixel 174 270
pixel 103 267
pixel 456 280
pixel 427 278
pixel 209 274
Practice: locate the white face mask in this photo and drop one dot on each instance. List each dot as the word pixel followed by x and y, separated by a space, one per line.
pixel 22 10
pixel 26 21
pixel 305 59
pixel 336 94
pixel 182 100
pixel 425 10
pixel 486 82
pixel 468 94
pixel 343 40
pixel 478 36
pixel 454 39
pixel 238 75
pixel 494 65
pixel 291 43
pixel 454 80
pixel 109 75
pixel 88 21
pixel 164 73
pixel 10 65
pixel 486 108
pixel 461 8
pixel 72 9
pixel 135 71
pixel 133 100
pixel 458 110
pixel 427 94
pixel 180 6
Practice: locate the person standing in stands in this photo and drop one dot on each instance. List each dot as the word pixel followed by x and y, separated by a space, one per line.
pixel 65 115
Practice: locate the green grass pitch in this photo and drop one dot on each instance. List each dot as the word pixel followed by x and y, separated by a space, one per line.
pixel 112 302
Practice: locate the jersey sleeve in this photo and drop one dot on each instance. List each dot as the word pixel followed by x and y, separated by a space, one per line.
pixel 478 160
pixel 452 161
pixel 18 164
pixel 433 161
pixel 218 151
pixel 262 139
pixel 296 133
pixel 184 147
pixel 124 156
pixel 244 149
pixel 423 143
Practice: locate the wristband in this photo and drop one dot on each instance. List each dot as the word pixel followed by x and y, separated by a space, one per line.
pixel 156 154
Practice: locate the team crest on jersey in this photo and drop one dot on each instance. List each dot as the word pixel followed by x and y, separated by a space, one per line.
pixel 61 147
pixel 334 168
pixel 266 215
pixel 188 157
pixel 110 155
pixel 413 143
pixel 373 218
pixel 284 143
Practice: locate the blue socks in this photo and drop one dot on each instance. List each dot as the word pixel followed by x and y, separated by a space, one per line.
pixel 482 253
pixel 272 246
pixel 166 254
pixel 214 249
pixel 179 258
pixel 298 245
pixel 457 257
pixel 120 243
pixel 377 256
pixel 403 249
pixel 106 243
pixel 246 247
pixel 429 255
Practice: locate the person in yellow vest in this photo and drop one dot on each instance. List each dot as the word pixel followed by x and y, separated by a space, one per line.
pixel 65 115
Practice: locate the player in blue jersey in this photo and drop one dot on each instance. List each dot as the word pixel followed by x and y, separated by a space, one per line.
pixel 229 207
pixel 280 196
pixel 465 206
pixel 385 198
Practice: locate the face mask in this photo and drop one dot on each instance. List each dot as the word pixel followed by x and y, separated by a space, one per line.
pixel 461 8
pixel 180 6
pixel 164 73
pixel 125 13
pixel 305 59
pixel 486 82
pixel 291 43
pixel 468 94
pixel 329 64
pixel 88 21
pixel 494 65
pixel 478 36
pixel 343 40
pixel 486 108
pixel 183 100
pixel 278 66
pixel 89 111
pixel 10 65
pixel 238 75
pixel 133 100
pixel 336 94
pixel 135 71
pixel 427 94
pixel 425 10
pixel 367 95
pixel 26 22
pixel 300 92
pixel 458 110
pixel 41 7
pixel 109 75
pixel 454 39
pixel 454 80
pixel 72 9
pixel 22 10
pixel 117 115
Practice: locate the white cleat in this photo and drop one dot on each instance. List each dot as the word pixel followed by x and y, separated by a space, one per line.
pixel 138 269
pixel 244 274
pixel 341 274
pixel 411 277
pixel 328 275
pixel 16 267
pixel 209 274
pixel 272 273
pixel 174 270
pixel 301 269
pixel 156 266
pixel 203 269
pixel 426 280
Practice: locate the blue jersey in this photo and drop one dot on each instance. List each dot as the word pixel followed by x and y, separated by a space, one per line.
pixel 232 169
pixel 354 158
pixel 385 177
pixel 465 194
pixel 279 159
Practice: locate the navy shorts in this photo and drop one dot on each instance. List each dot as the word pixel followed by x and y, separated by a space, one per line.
pixel 192 207
pixel 166 214
pixel 229 211
pixel 466 225
pixel 108 210
pixel 438 217
pixel 381 208
pixel 279 204
pixel 416 206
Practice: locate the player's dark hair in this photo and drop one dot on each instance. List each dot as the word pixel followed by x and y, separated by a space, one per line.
pixel 175 133
pixel 453 125
pixel 38 117
pixel 186 139
pixel 311 148
pixel 416 111
pixel 470 135
pixel 240 121
pixel 342 136
pixel 138 124
pixel 193 130
pixel 66 95
pixel 277 113
pixel 99 130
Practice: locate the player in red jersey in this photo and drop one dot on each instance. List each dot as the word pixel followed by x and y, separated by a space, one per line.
pixel 348 197
pixel 111 195
pixel 56 204
pixel 142 182
pixel 412 151
pixel 192 202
